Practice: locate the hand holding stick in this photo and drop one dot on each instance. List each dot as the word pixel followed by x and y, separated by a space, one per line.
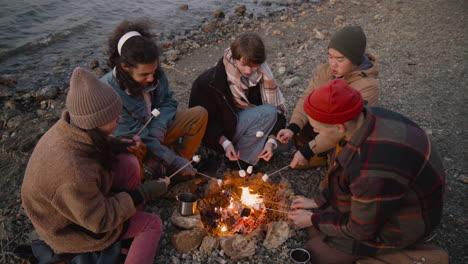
pixel 154 113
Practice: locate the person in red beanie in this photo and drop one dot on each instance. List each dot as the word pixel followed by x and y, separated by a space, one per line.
pixel 347 60
pixel 385 188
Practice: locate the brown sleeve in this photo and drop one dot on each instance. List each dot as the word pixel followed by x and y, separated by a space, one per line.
pixel 298 116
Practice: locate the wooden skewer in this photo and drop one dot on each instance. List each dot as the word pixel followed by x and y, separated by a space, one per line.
pixel 173 174
pixel 285 167
pixel 238 163
pixel 202 174
pixel 276 210
pixel 147 122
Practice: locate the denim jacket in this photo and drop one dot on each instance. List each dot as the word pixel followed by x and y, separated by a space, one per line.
pixel 135 114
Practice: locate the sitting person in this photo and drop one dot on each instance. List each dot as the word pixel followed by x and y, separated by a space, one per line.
pixel 385 189
pixel 173 137
pixel 242 98
pixel 347 60
pixel 81 186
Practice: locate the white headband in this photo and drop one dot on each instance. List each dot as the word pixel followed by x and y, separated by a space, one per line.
pixel 124 38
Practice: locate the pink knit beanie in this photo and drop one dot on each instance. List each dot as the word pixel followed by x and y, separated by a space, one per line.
pixel 334 103
pixel 90 102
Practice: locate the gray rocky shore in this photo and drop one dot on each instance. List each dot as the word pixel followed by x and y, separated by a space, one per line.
pixel 420 49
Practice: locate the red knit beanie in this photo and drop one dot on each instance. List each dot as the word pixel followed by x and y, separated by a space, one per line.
pixel 334 103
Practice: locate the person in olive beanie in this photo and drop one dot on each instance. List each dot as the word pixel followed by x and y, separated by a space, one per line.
pixel 82 186
pixel 347 60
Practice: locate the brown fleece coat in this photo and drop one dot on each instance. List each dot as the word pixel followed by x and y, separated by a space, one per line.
pixel 66 194
pixel 363 80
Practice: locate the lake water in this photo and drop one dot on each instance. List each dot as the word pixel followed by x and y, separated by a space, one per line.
pixel 36 35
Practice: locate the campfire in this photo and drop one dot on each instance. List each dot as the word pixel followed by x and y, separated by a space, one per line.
pixel 239 205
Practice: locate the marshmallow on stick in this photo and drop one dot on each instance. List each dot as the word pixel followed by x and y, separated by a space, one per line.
pixel 259 134
pixel 154 113
pixel 196 158
pixel 250 169
pixel 242 173
pixel 220 182
pixel 265 177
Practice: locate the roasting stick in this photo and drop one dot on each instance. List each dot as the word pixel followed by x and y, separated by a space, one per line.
pixel 285 167
pixel 154 113
pixel 202 174
pixel 283 212
pixel 238 163
pixel 195 158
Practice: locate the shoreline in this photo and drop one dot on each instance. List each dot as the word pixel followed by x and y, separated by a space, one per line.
pixel 422 75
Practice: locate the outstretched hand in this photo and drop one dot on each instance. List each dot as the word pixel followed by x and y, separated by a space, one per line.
pixel 303 203
pixel 284 135
pixel 298 159
pixel 231 153
pixel 267 151
pixel 301 218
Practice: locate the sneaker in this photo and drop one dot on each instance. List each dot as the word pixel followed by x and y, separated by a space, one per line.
pixel 315 161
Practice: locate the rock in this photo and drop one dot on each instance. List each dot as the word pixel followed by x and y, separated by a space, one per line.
pixel 238 247
pixel 339 19
pixel 281 70
pixel 318 34
pixel 93 64
pixel 15 121
pixel 240 10
pixel 46 92
pixel 172 55
pixel 185 222
pixel 277 32
pixel 210 27
pixel 5 91
pixel 219 14
pixel 464 179
pixel 277 234
pixel 7 82
pixel 291 82
pixel 209 244
pixel 183 7
pixel 187 240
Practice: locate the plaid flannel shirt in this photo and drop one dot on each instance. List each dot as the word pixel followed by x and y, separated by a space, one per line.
pixel 385 187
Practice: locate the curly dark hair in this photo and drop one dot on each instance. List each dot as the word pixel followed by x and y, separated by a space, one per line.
pixel 137 50
pixel 250 47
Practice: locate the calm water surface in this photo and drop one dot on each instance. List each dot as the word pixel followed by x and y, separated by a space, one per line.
pixel 38 35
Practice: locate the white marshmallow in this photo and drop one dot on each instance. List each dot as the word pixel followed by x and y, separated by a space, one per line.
pixel 265 177
pixel 155 112
pixel 250 169
pixel 196 158
pixel 220 182
pixel 259 134
pixel 256 206
pixel 242 173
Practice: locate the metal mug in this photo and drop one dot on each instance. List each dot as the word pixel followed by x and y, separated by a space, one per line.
pixel 299 256
pixel 187 204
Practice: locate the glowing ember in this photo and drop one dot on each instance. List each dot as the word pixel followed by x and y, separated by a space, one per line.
pixel 223 228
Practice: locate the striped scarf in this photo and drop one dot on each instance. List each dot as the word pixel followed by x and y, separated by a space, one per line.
pixel 239 84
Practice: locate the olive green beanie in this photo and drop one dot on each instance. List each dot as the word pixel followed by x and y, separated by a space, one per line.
pixel 351 42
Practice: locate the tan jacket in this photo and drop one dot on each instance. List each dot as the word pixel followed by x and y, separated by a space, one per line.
pixel 364 81
pixel 67 194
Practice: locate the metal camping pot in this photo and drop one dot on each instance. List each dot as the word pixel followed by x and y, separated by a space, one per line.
pixel 299 256
pixel 187 204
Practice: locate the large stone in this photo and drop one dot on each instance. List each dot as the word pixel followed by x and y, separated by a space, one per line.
pixel 277 234
pixel 209 244
pixel 238 247
pixel 185 222
pixel 187 240
pixel 46 92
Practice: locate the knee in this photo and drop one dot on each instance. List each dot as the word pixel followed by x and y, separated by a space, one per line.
pixel 200 112
pixel 269 112
pixel 156 223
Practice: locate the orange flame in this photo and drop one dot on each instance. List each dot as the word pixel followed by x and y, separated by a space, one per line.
pixel 248 198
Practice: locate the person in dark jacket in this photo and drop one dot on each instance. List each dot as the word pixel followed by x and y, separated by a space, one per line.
pixel 385 188
pixel 173 136
pixel 245 106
